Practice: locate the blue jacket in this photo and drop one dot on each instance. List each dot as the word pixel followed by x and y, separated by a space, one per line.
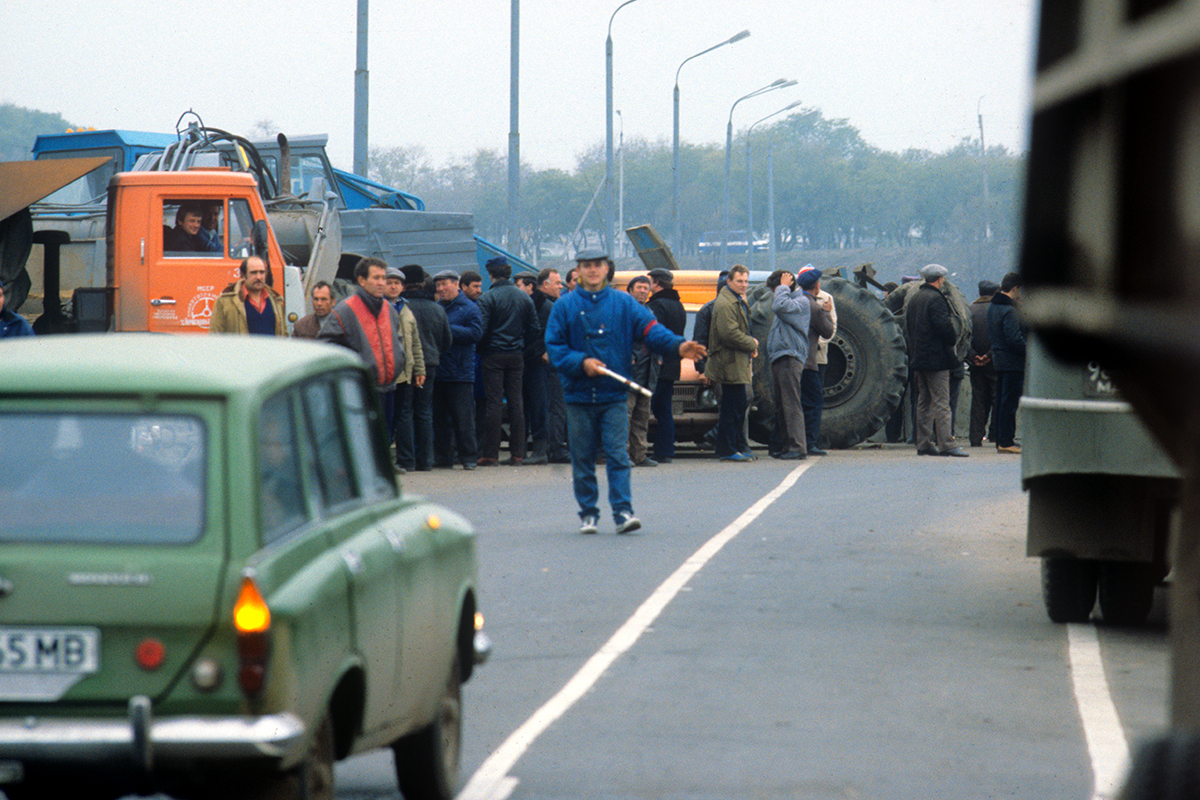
pixel 13 324
pixel 602 325
pixel 466 328
pixel 789 331
pixel 1008 334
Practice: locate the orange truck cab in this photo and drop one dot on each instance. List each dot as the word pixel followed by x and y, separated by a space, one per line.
pixel 156 288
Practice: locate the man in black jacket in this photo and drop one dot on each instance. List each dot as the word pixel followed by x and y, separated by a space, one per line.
pixel 434 330
pixel 983 371
pixel 1008 354
pixel 932 338
pixel 669 311
pixel 509 322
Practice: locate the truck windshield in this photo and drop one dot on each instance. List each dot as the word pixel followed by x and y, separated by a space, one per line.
pixel 102 478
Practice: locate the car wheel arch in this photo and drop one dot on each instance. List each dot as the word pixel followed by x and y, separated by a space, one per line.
pixel 465 639
pixel 346 710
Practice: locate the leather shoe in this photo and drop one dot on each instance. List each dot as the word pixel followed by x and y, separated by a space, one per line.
pixel 646 462
pixel 537 460
pixel 956 452
pixel 515 461
pixel 486 462
pixel 816 451
pixel 792 455
pixel 468 465
pixel 1014 449
pixel 927 452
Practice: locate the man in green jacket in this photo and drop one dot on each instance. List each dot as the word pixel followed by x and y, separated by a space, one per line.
pixel 249 305
pixel 731 349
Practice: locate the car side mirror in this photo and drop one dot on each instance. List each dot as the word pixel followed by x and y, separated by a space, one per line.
pixel 259 236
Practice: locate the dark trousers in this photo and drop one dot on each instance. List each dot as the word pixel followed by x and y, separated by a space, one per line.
pixel 788 436
pixel 402 425
pixel 664 418
pixel 502 378
pixel 533 389
pixel 731 438
pixel 556 418
pixel 812 400
pixel 895 424
pixel 422 416
pixel 983 400
pixel 1008 395
pixel 454 422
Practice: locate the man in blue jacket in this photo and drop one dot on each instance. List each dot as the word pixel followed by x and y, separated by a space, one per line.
pixel 12 324
pixel 591 328
pixel 1008 354
pixel 454 388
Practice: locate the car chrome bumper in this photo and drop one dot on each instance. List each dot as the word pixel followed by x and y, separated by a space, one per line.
pixel 147 740
pixel 482 646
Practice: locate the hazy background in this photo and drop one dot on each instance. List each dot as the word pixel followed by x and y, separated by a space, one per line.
pixel 906 75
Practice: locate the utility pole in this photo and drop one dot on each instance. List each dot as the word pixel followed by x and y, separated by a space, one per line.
pixel 361 94
pixel 514 135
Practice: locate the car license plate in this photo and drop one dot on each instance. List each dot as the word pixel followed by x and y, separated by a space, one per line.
pixel 49 650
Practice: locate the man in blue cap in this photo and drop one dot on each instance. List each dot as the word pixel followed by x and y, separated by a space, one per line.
pixel 591 328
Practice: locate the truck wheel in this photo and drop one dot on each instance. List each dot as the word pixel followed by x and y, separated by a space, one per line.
pixel 427 761
pixel 867 371
pixel 1126 592
pixel 1069 588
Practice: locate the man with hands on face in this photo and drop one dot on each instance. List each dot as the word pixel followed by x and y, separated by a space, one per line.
pixel 591 328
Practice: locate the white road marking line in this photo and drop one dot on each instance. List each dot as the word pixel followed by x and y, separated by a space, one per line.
pixel 1106 743
pixel 492 781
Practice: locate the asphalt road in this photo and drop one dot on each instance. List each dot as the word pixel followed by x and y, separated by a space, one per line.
pixel 875 632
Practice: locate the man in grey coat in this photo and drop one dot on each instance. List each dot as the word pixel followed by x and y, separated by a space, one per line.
pixel 787 350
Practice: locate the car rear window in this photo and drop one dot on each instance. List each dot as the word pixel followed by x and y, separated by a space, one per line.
pixel 102 478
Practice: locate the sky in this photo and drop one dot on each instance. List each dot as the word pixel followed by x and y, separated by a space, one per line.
pixel 910 74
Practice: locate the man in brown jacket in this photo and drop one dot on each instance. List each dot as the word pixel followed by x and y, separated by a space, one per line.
pixel 249 305
pixel 731 349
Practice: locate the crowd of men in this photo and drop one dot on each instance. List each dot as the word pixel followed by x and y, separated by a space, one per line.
pixel 947 338
pixel 554 358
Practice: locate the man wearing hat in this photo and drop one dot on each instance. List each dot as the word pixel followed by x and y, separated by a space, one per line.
pixel 454 389
pixel 669 311
pixel 812 385
pixel 434 331
pixel 932 337
pixel 509 323
pixel 407 379
pixel 591 328
pixel 983 371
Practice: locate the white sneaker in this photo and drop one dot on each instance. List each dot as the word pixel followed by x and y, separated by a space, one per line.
pixel 590 525
pixel 627 522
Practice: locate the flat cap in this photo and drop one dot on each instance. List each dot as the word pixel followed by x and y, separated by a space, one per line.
pixel 392 272
pixel 931 272
pixel 808 277
pixel 661 274
pixel 446 275
pixel 594 254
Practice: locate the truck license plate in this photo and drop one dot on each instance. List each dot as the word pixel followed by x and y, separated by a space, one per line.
pixel 49 650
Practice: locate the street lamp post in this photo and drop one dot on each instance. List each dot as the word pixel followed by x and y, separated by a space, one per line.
pixel 608 127
pixel 782 83
pixel 621 184
pixel 750 189
pixel 677 240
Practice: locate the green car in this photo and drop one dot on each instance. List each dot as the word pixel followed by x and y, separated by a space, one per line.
pixel 210 582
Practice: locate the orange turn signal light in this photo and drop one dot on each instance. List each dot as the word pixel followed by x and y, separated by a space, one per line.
pixel 250 612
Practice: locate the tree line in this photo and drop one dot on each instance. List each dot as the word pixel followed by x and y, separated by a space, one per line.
pixel 832 189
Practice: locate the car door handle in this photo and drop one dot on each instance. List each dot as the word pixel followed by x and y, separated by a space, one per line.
pixel 162 301
pixel 394 538
pixel 353 562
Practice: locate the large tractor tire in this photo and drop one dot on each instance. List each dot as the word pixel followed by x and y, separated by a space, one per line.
pixel 867 371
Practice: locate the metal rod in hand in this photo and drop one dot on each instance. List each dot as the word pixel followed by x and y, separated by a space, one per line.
pixel 633 386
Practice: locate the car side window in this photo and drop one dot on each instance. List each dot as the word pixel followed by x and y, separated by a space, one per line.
pixel 283 506
pixel 329 444
pixel 372 462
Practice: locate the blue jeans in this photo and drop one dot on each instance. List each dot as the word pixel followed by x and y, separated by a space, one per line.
pixel 591 427
pixel 664 416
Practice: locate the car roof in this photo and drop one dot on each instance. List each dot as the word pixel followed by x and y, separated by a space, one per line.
pixel 155 363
